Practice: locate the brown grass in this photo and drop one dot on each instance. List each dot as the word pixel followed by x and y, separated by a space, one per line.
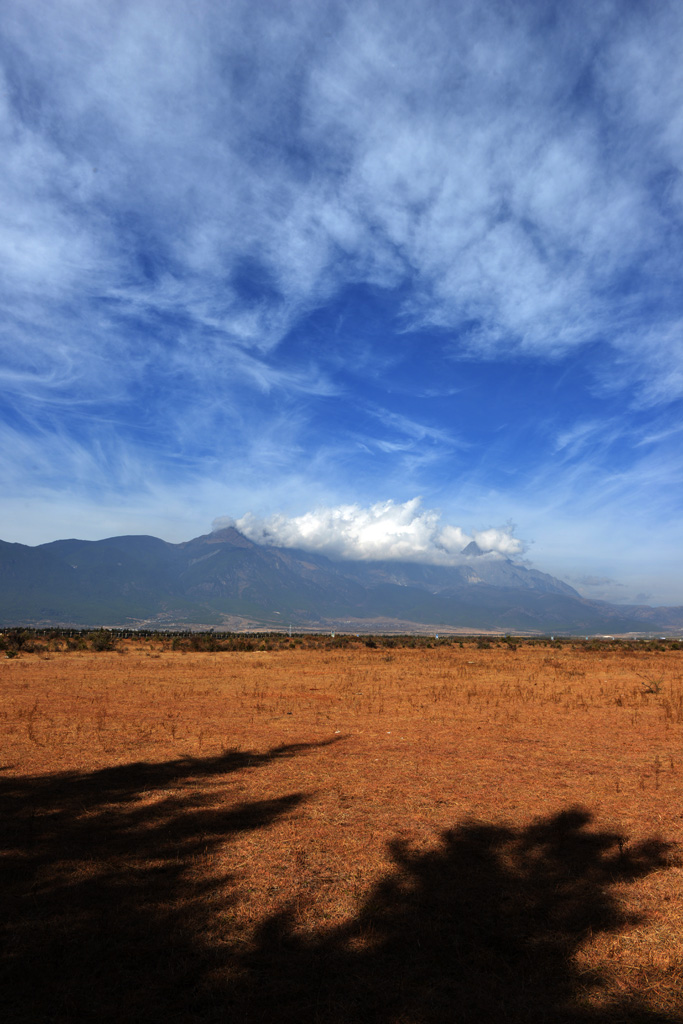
pixel 453 834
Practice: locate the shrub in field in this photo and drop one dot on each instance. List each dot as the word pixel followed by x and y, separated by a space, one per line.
pixel 102 640
pixel 204 642
pixel 17 640
pixel 76 643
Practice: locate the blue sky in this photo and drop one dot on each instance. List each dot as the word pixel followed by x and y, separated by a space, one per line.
pixel 308 262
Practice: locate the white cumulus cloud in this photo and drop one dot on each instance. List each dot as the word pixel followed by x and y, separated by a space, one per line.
pixel 386 530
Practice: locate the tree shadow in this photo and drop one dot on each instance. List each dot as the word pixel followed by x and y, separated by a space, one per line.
pixel 105 917
pixel 100 900
pixel 482 928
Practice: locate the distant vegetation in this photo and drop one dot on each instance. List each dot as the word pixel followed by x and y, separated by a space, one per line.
pixel 30 640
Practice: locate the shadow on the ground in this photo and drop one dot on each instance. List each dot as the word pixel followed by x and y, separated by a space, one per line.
pixel 100 894
pixel 106 919
pixel 481 929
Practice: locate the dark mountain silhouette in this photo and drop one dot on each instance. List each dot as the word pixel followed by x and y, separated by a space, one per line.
pixel 222 578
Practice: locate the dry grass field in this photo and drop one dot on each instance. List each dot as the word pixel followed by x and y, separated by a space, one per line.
pixel 389 835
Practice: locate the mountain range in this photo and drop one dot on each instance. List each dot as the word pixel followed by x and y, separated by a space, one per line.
pixel 227 581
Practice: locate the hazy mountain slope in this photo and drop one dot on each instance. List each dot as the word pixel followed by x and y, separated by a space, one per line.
pixel 438 579
pixel 33 584
pixel 124 580
pixel 234 575
pixel 114 580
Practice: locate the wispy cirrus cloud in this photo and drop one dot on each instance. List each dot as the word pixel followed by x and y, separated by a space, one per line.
pixel 248 245
pixel 511 205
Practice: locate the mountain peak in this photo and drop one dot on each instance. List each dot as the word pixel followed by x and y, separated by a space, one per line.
pixel 472 549
pixel 229 535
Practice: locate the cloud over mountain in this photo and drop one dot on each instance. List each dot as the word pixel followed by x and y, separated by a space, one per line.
pixel 384 531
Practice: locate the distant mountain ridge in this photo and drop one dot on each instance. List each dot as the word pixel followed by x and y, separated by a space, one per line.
pixel 224 579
